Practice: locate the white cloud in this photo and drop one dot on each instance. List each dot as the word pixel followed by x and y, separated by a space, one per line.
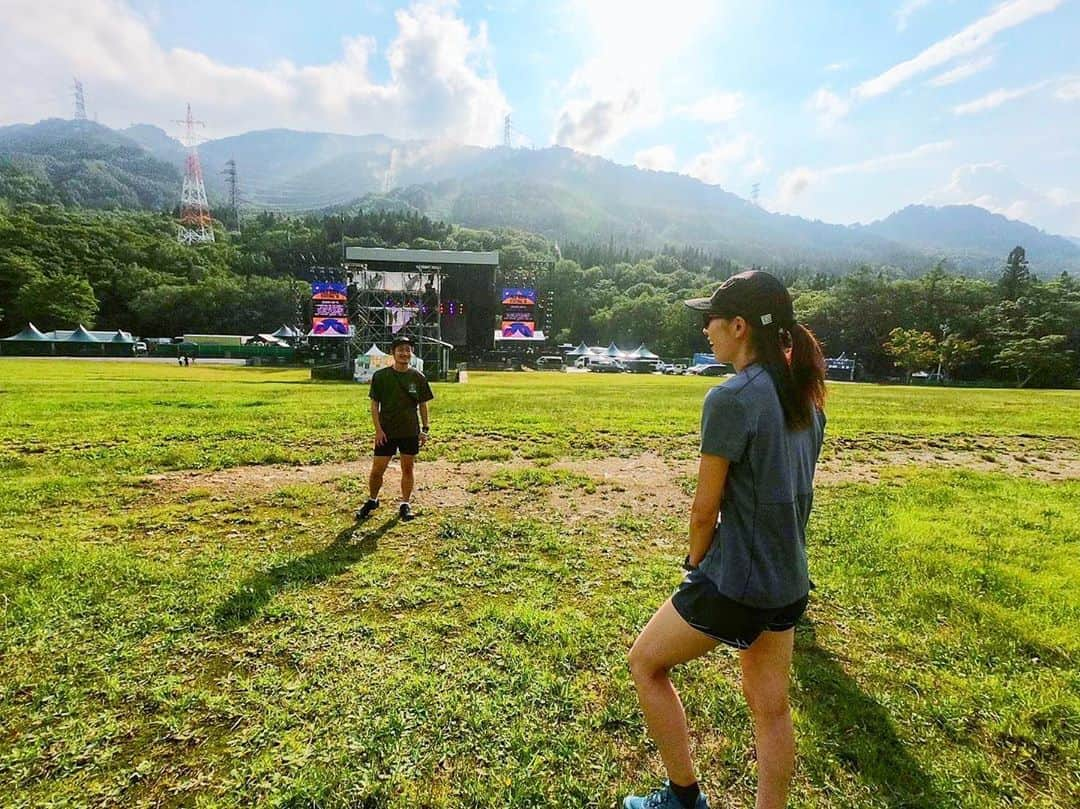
pixel 995 99
pixel 657 158
pixel 961 72
pixel 725 158
pixel 829 107
pixel 798 180
pixel 904 13
pixel 621 89
pixel 994 187
pixel 440 83
pixel 1069 90
pixel 972 38
pixel 837 66
pixel 714 109
pixel 593 124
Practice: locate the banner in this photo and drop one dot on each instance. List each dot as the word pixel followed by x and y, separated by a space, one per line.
pixel 329 309
pixel 518 312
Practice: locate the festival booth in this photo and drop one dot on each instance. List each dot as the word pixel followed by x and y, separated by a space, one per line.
pixel 373 359
pixel 28 343
pixel 288 334
pixel 581 351
pixel 79 342
pixel 641 361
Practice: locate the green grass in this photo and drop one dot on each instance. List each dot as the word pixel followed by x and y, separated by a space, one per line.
pixel 186 647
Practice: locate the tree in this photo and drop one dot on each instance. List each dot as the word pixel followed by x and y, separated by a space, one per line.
pixel 61 301
pixel 1030 357
pixel 954 351
pixel 1015 278
pixel 912 350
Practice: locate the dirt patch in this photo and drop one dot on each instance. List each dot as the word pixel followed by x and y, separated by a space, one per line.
pixel 855 460
pixel 650 481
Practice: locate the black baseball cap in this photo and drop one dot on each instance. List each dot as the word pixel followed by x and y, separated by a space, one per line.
pixel 401 341
pixel 760 298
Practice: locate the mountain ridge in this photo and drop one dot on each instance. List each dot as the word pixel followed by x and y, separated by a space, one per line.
pixel 554 191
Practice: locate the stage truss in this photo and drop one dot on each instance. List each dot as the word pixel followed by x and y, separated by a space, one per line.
pixel 386 304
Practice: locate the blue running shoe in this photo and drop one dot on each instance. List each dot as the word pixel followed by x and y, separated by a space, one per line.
pixel 662 798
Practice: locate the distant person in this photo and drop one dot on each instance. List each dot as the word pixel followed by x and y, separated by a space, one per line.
pixel 399 396
pixel 746 581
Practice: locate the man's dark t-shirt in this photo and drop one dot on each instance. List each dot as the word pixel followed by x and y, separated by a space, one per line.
pixel 398 394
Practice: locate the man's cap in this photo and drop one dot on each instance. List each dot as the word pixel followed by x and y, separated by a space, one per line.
pixel 760 298
pixel 401 341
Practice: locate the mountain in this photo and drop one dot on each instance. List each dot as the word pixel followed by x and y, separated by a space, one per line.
pixel 84 163
pixel 559 193
pixel 158 142
pixel 567 195
pixel 970 236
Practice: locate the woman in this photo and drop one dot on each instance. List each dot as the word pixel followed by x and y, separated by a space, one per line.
pixel 746 583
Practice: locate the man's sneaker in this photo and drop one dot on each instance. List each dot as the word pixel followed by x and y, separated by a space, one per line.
pixel 662 798
pixel 364 510
pixel 405 512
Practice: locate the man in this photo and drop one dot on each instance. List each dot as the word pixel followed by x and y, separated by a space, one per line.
pixel 397 394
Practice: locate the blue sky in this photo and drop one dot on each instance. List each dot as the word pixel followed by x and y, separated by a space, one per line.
pixel 839 111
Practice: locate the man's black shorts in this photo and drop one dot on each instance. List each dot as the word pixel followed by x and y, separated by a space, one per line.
pixel 703 607
pixel 410 445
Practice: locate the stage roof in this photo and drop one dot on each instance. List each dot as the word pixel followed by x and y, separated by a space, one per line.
pixel 486 259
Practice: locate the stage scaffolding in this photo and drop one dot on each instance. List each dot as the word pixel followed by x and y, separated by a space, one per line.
pixel 396 293
pixel 387 304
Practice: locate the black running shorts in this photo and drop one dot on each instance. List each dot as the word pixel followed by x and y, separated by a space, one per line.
pixel 703 607
pixel 409 445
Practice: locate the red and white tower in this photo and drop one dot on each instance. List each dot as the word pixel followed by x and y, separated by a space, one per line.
pixel 195 224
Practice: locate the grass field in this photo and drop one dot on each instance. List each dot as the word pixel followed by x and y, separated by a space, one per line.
pixel 189 616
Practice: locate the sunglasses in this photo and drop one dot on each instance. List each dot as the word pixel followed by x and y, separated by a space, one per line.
pixel 708 318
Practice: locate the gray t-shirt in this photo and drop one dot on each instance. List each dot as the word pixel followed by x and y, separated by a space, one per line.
pixel 758 553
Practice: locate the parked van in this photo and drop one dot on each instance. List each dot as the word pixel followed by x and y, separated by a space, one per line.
pixel 549 364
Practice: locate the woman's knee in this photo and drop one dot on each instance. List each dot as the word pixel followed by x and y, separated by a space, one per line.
pixel 766 702
pixel 642 665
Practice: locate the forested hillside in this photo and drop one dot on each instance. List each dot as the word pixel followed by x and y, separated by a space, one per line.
pixel 63 266
pixel 83 163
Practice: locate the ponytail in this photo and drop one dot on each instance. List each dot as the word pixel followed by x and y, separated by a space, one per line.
pixel 792 357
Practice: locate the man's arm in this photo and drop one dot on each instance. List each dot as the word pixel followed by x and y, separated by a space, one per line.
pixel 712 474
pixel 424 423
pixel 380 436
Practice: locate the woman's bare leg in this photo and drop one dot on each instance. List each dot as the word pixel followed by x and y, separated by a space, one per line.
pixel 766 670
pixel 666 641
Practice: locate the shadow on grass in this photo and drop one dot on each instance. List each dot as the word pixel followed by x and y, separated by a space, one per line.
pixel 859 731
pixel 334 559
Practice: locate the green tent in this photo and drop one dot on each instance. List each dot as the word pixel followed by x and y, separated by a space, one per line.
pixel 81 335
pixel 28 343
pixel 29 334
